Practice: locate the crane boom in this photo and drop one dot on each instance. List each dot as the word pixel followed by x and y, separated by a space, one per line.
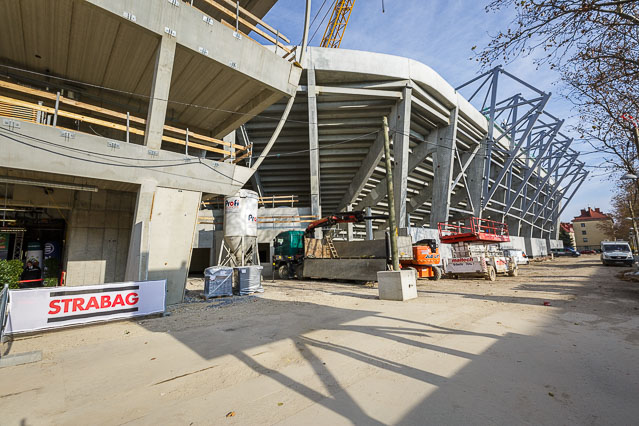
pixel 337 24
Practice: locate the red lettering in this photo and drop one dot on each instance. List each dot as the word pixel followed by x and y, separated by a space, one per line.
pixel 132 298
pixel 66 302
pixel 93 303
pixel 105 302
pixel 77 305
pixel 118 301
pixel 55 307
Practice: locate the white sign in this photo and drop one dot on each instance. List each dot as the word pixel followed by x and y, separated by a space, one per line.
pixel 463 266
pixel 53 307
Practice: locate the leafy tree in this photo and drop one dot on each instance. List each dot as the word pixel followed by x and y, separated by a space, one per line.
pixel 565 237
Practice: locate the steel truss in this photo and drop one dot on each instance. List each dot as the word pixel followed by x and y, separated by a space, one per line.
pixel 530 171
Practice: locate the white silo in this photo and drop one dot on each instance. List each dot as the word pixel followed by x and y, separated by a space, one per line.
pixel 239 247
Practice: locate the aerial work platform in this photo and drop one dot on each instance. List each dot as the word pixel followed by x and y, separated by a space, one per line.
pixel 474 230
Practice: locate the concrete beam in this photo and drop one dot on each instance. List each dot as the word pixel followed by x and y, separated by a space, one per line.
pixel 43 148
pixel 443 169
pixel 364 173
pixel 401 145
pixel 419 154
pixel 161 85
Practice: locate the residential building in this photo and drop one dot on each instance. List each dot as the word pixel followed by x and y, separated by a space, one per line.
pixel 589 228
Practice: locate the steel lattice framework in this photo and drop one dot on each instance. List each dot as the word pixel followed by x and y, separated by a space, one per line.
pixel 530 171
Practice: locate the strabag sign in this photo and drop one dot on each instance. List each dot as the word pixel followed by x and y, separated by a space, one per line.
pixel 45 308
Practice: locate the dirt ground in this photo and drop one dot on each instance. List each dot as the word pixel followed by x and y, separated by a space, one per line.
pixel 310 352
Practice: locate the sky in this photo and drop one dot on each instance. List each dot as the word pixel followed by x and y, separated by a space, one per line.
pixel 441 34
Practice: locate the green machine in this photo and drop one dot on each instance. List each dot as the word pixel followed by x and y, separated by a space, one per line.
pixel 288 255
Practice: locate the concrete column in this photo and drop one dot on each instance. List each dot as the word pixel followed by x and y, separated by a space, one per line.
pixel 443 169
pixel 401 145
pixel 159 93
pixel 313 144
pixel 349 226
pixel 137 264
pixel 475 178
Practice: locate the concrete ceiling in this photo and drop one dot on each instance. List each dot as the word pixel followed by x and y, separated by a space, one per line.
pixel 77 41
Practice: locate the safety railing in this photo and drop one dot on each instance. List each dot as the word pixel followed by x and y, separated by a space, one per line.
pixel 61 107
pixel 240 16
pixel 473 229
pixel 268 201
pixel 4 301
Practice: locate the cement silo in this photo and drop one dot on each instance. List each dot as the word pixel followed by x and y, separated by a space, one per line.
pixel 239 246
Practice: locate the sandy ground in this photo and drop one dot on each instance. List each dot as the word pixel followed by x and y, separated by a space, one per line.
pixel 465 352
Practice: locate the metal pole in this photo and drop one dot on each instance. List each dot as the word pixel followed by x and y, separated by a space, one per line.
pixel 127 126
pixel 391 198
pixel 57 105
pixel 237 16
pixel 277 38
pixel 187 142
pixel 369 224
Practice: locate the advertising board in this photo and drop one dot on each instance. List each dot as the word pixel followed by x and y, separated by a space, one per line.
pixel 53 307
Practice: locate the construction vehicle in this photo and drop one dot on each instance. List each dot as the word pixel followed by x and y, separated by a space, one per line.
pixel 475 249
pixel 425 261
pixel 340 16
pixel 298 254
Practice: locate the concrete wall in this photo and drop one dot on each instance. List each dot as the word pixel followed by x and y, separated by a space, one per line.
pixel 553 244
pixel 172 225
pixel 518 243
pixel 536 247
pixel 99 229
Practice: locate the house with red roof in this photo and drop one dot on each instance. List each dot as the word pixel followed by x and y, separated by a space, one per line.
pixel 589 228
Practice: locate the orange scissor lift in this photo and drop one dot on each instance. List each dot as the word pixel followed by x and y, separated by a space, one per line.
pixel 475 248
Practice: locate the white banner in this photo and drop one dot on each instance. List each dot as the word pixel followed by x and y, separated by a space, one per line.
pixel 53 307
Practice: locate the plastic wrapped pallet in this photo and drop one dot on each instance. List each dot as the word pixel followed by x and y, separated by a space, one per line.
pixel 250 278
pixel 218 281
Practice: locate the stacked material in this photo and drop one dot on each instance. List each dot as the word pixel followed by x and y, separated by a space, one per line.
pixel 218 281
pixel 250 278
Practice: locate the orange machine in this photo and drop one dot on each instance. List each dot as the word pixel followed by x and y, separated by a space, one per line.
pixel 425 260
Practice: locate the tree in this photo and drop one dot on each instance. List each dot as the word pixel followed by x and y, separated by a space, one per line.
pixel 565 237
pixel 594 44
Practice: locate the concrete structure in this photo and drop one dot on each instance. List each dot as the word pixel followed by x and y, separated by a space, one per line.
pixel 113 115
pixel 504 159
pixel 591 228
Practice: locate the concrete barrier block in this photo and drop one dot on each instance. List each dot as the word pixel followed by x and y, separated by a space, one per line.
pixel 397 285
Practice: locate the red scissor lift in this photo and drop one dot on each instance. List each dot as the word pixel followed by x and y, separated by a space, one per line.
pixel 475 250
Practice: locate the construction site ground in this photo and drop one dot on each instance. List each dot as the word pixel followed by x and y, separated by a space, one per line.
pixel 311 352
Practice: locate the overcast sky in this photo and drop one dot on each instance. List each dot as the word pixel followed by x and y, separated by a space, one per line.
pixel 440 34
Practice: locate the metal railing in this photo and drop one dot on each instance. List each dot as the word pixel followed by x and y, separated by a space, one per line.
pixel 4 300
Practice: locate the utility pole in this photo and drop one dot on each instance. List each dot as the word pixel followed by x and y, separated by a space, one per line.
pixel 391 199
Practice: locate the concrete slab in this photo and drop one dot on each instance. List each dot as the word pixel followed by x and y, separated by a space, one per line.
pixel 20 359
pixel 317 352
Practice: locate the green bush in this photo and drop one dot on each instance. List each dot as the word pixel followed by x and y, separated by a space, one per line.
pixel 50 282
pixel 10 271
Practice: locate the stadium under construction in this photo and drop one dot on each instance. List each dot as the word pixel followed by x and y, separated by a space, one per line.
pixel 125 123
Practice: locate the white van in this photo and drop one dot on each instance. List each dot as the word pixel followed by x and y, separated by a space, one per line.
pixel 616 252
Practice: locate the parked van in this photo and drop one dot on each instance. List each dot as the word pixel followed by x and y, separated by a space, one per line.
pixel 616 253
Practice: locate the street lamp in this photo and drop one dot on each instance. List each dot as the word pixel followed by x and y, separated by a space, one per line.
pixel 629 176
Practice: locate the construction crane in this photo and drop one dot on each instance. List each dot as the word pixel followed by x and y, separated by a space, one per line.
pixel 337 24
